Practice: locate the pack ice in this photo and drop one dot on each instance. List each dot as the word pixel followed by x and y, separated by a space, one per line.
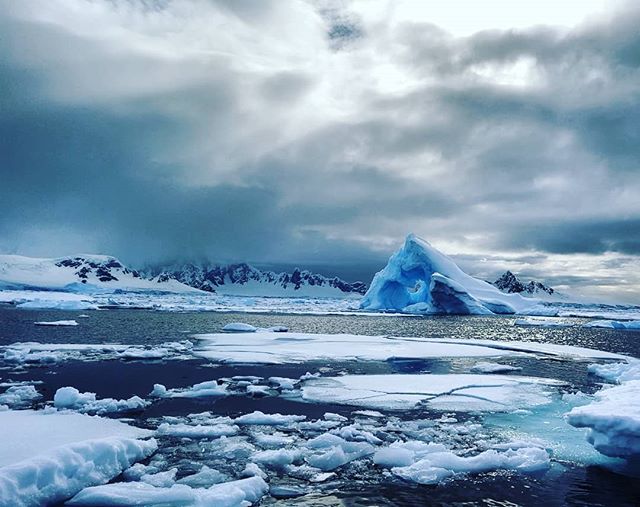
pixel 420 279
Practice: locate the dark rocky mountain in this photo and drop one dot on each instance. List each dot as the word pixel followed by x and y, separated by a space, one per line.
pixel 509 283
pixel 232 278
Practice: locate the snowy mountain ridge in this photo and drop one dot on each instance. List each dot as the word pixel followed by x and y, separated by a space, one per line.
pixel 509 283
pixel 244 279
pixel 79 273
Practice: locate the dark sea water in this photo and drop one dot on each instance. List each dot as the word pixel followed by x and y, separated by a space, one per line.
pixel 570 484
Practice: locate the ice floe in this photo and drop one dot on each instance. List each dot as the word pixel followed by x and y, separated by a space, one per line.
pixel 201 390
pixel 46 457
pixel 488 367
pixel 538 322
pixel 71 399
pixel 462 392
pixel 261 347
pixel 238 493
pixel 19 396
pixel 625 325
pixel 57 323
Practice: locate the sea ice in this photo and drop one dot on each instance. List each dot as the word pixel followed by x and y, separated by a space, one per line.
pixel 625 325
pixel 443 392
pixel 47 457
pixel 531 322
pixel 260 418
pixel 72 399
pixel 238 493
pixel 613 420
pixel 239 327
pixel 201 390
pixel 19 396
pixel 198 431
pixel 57 323
pixel 486 367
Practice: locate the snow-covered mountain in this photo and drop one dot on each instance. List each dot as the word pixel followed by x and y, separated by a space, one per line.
pixel 509 283
pixel 246 280
pixel 420 279
pixel 79 273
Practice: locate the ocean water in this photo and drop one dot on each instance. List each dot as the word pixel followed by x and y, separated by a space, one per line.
pixel 566 483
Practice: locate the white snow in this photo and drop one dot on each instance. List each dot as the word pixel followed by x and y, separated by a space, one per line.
pixel 420 279
pixel 47 457
pixel 57 323
pixel 625 325
pixel 240 493
pixel 461 392
pixel 72 399
pixel 487 367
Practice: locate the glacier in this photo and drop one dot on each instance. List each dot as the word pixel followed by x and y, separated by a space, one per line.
pixel 420 279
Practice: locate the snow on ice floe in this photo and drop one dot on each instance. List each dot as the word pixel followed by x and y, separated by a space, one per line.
pixel 25 353
pixel 487 367
pixel 613 418
pixel 71 399
pixel 539 322
pixel 57 323
pixel 272 348
pixel 420 279
pixel 239 493
pixel 461 392
pixel 210 388
pixel 47 457
pixel 629 325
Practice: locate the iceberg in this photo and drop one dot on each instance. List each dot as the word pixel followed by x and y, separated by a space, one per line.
pixel 420 279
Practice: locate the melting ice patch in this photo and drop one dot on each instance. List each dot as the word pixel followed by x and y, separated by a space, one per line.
pixel 442 392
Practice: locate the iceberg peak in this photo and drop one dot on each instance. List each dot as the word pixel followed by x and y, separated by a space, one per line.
pixel 420 279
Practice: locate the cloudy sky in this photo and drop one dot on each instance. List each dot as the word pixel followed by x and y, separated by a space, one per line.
pixel 321 132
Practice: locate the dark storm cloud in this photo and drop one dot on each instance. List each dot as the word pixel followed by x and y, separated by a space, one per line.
pixel 264 131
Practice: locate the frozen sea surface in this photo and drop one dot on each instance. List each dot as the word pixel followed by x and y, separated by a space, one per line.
pixel 325 451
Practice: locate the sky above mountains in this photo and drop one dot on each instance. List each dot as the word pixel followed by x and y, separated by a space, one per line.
pixel 321 132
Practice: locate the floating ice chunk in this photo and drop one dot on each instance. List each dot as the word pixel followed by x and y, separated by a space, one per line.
pixel 72 399
pixel 55 304
pixel 444 392
pixel 57 323
pixel 278 458
pixel 628 325
pixel 202 390
pixel 273 440
pixel 199 431
pixel 161 479
pixel 330 416
pixel 260 418
pixel 204 478
pixel 258 390
pixel 369 413
pixel 531 322
pixel 487 367
pixel 389 457
pixel 238 493
pixel 284 383
pixel 46 458
pixel 139 353
pixel 239 327
pixel 613 420
pixel 282 492
pixel 19 396
pixel 252 470
pixel 617 372
pixel 438 466
pixel 333 451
